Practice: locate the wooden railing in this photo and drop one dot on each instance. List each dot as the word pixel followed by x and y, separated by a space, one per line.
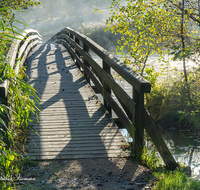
pixel 16 57
pixel 133 116
pixel 17 54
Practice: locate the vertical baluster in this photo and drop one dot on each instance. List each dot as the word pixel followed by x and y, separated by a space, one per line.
pixel 78 42
pixel 106 68
pixel 138 124
pixel 4 116
pixel 72 37
pixel 86 49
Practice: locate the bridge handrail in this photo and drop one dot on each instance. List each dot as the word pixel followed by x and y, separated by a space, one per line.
pixel 133 116
pixel 136 80
pixel 17 54
pixel 103 74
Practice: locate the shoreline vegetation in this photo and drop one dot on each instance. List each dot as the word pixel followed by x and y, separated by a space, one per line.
pixel 15 110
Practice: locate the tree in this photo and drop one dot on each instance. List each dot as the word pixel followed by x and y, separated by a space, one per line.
pixel 7 18
pixel 7 7
pixel 156 26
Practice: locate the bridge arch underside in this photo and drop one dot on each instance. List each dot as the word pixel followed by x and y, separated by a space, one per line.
pixel 73 123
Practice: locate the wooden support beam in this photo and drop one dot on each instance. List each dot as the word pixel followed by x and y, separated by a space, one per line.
pixel 85 63
pixel 138 141
pixel 158 141
pixel 106 68
pixel 78 42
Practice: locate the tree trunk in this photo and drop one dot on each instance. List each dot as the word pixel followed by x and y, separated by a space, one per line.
pixel 183 48
pixel 183 41
pixel 199 10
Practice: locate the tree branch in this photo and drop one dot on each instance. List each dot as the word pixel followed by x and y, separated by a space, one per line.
pixel 185 12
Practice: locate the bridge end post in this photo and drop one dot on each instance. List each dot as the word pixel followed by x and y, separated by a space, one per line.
pixel 78 42
pixel 4 115
pixel 138 144
pixel 72 37
pixel 86 49
pixel 106 68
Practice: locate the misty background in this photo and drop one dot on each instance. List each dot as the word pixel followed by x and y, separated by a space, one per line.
pixel 52 15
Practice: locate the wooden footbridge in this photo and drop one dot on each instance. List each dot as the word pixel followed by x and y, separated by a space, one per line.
pixel 73 122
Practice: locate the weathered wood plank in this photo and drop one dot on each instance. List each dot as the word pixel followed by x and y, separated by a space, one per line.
pixel 97 142
pixel 64 111
pixel 75 121
pixel 74 145
pixel 82 123
pixel 77 149
pixel 67 103
pixel 79 130
pixel 69 117
pixel 76 152
pixel 79 139
pixel 158 141
pixel 69 136
pixel 98 155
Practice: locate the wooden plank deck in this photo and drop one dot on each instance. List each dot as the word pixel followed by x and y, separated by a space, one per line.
pixel 73 123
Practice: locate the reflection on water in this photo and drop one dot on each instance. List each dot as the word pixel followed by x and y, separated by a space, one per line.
pixel 185 147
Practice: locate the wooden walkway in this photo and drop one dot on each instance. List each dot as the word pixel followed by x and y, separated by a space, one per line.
pixel 73 121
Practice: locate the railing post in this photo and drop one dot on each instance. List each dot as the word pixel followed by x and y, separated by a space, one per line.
pixel 4 116
pixel 86 49
pixel 78 42
pixel 138 124
pixel 106 68
pixel 72 37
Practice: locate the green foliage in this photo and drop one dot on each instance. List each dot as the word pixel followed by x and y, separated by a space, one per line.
pixel 176 180
pixel 143 32
pixel 150 159
pixel 167 180
pixel 22 101
pixel 161 27
pixel 29 162
pixel 8 166
pixel 151 75
pixel 168 102
pixel 22 98
pixel 7 7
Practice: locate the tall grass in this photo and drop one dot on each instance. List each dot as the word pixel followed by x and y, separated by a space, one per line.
pixel 176 180
pixel 169 105
pixel 15 113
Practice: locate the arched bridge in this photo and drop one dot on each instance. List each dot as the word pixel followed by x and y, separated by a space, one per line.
pixel 73 122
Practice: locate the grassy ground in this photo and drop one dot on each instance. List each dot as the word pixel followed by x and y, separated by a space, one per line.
pixel 169 180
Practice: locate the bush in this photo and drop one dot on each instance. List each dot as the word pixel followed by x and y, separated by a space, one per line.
pixel 21 101
pixel 169 105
